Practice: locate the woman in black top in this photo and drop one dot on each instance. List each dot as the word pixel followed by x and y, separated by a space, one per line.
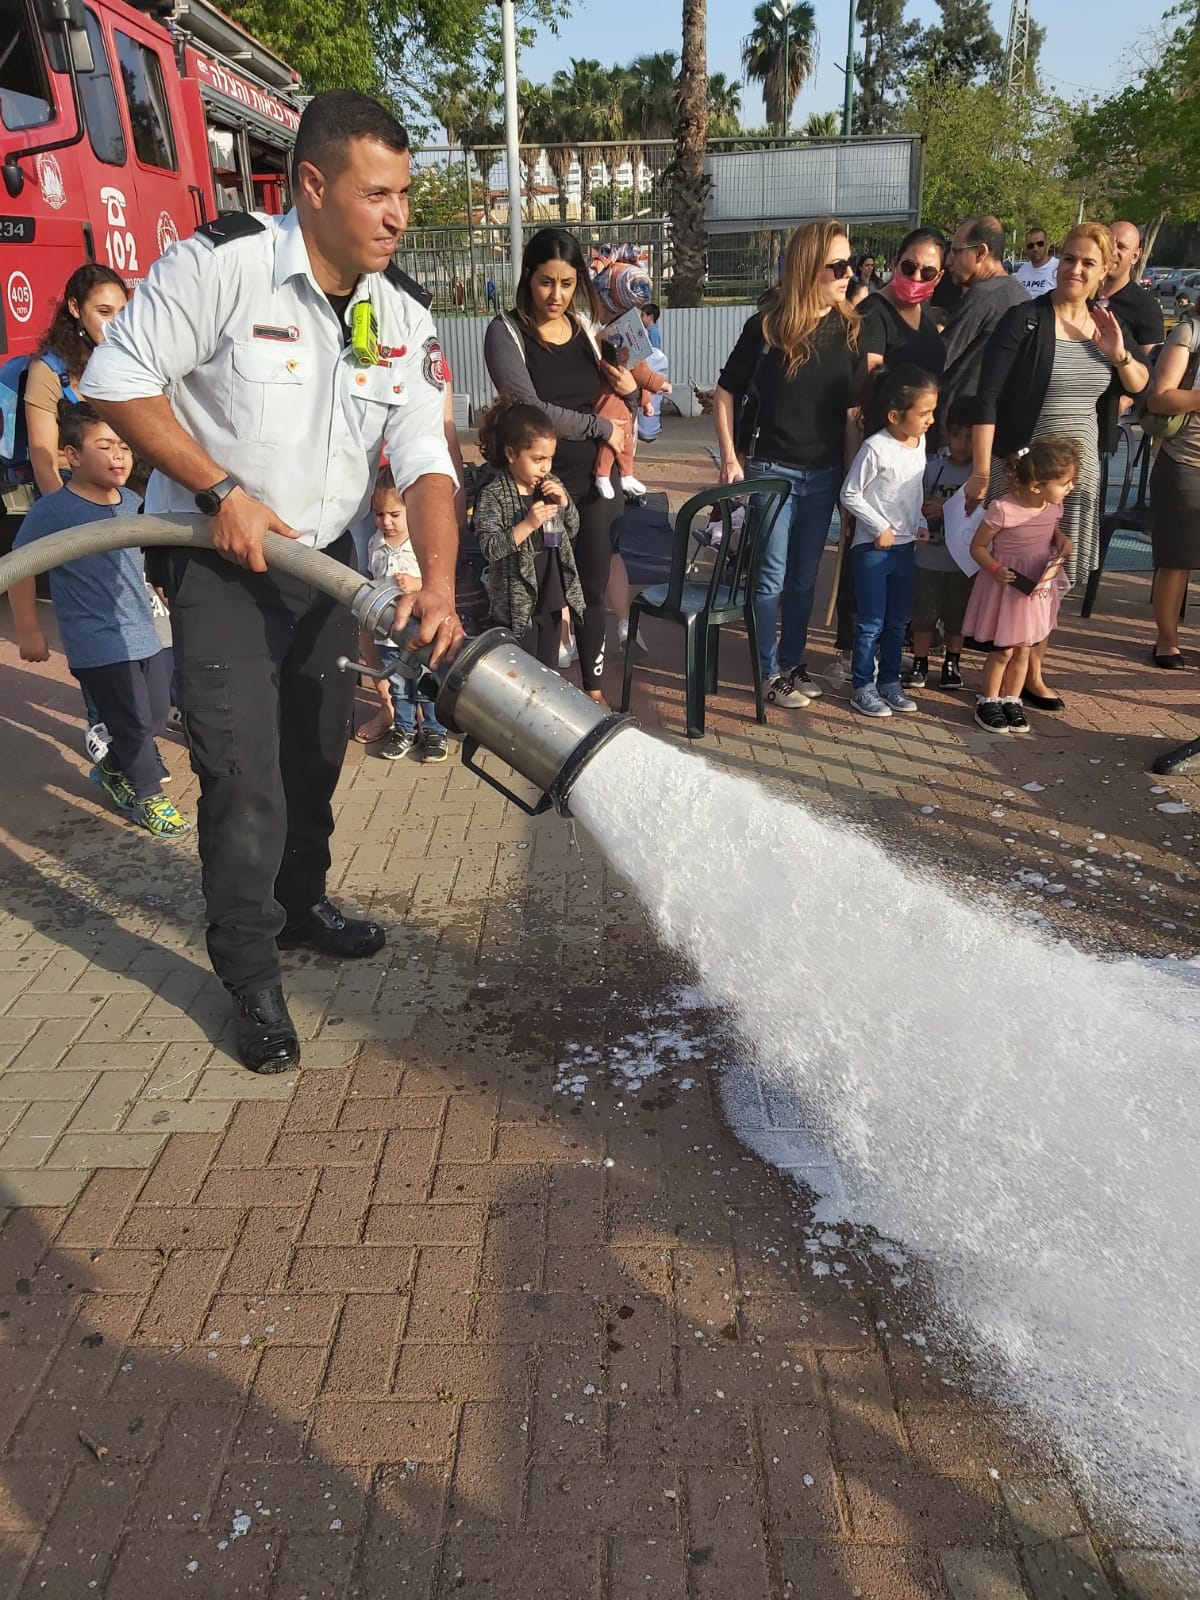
pixel 797 364
pixel 545 352
pixel 899 328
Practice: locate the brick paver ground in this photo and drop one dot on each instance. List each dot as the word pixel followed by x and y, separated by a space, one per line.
pixel 413 1323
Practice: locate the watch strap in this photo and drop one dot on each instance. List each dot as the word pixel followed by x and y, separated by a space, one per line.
pixel 209 500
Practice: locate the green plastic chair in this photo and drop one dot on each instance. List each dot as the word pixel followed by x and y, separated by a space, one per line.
pixel 702 609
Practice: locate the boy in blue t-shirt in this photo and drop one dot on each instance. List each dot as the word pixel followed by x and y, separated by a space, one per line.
pixel 105 620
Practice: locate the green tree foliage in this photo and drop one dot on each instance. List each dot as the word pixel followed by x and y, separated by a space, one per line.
pixel 763 56
pixel 724 106
pixel 987 153
pixel 1140 149
pixel 887 42
pixel 964 47
pixel 392 48
pixel 822 125
pixel 438 196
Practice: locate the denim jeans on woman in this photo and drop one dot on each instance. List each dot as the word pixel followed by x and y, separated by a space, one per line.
pixel 791 561
pixel 883 586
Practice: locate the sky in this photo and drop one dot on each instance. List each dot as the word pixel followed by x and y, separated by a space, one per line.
pixel 1087 42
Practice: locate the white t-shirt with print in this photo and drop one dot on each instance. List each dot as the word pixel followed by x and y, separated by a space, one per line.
pixel 1038 280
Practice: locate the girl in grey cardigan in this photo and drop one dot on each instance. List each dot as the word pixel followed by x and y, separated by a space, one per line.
pixel 526 525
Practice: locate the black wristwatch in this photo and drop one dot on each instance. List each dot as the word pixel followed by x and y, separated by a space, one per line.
pixel 209 500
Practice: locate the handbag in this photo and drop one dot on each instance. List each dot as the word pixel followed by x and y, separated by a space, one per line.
pixel 1151 423
pixel 747 418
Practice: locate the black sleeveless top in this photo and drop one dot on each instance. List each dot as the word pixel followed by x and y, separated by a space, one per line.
pixel 567 375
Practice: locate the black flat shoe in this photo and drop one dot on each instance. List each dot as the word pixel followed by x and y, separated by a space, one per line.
pixel 266 1038
pixel 1173 663
pixel 324 929
pixel 1042 702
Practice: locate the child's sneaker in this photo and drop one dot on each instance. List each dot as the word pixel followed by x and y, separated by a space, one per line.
pixel 96 741
pixel 634 486
pixel 869 702
pixel 918 674
pixel 115 785
pixel 1014 715
pixel 782 691
pixel 159 817
pixel 395 746
pixel 433 745
pixel 952 677
pixel 568 655
pixel 894 695
pixel 989 714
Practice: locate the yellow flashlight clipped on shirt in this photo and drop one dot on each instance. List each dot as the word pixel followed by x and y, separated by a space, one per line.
pixel 364 334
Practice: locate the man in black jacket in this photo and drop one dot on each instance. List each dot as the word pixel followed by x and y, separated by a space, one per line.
pixel 1138 309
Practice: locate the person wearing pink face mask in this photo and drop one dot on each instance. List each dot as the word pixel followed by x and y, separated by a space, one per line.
pixel 898 325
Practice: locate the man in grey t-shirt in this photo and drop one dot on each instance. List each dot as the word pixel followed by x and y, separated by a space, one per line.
pixel 976 264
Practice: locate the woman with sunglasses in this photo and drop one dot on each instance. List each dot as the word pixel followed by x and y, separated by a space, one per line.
pixel 795 371
pixel 898 324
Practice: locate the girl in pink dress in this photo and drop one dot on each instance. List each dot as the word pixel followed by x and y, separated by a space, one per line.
pixel 1020 550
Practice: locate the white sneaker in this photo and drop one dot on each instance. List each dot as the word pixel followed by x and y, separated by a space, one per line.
pixel 632 485
pixel 568 655
pixel 783 692
pixel 96 741
pixel 607 492
pixel 869 702
pixel 639 644
pixel 805 684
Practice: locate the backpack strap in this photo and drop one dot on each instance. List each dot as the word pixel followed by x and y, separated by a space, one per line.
pixel 59 367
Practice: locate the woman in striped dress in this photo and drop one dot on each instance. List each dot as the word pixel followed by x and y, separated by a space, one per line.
pixel 1058 365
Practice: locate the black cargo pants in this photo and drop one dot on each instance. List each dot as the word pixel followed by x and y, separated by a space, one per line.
pixel 267 717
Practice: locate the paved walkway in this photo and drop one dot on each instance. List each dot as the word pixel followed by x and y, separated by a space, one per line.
pixel 415 1322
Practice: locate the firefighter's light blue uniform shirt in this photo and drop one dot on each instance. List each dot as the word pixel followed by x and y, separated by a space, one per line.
pixel 251 355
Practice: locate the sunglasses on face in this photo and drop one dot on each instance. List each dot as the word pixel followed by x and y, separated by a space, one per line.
pixel 910 269
pixel 1035 244
pixel 840 269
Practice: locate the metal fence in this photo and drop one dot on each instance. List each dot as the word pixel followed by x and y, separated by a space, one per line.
pixel 617 195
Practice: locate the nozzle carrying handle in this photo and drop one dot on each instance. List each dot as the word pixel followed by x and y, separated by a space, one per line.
pixel 469 747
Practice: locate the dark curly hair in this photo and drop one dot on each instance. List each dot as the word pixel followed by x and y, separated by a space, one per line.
pixel 65 337
pixel 892 389
pixel 1042 461
pixel 511 424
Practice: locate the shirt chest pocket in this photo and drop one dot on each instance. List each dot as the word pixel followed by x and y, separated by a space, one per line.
pixel 370 391
pixel 264 402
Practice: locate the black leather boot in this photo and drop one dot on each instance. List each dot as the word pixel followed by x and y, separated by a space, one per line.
pixel 266 1038
pixel 323 928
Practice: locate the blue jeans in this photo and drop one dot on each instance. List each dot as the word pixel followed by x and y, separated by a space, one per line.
pixel 791 560
pixel 883 586
pixel 406 699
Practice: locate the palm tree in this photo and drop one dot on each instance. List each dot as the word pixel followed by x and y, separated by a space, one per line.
pixel 689 239
pixel 724 106
pixel 763 56
pixel 822 125
pixel 649 104
pixel 583 93
pixel 547 127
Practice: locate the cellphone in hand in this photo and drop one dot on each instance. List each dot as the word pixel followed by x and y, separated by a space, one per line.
pixel 1024 585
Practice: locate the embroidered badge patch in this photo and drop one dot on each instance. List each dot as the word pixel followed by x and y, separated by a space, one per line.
pixel 435 368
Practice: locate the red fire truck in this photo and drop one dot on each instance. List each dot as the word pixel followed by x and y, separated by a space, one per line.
pixel 124 128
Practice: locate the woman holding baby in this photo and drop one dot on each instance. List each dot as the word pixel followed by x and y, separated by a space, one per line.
pixel 546 351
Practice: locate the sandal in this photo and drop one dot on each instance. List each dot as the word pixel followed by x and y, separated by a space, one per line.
pixel 1170 663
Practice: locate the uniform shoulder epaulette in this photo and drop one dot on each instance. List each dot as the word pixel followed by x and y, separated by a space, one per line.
pixel 408 285
pixel 230 225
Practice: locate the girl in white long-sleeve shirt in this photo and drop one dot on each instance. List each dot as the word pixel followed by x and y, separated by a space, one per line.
pixel 884 493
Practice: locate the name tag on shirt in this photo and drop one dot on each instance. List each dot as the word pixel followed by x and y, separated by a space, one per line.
pixel 261 330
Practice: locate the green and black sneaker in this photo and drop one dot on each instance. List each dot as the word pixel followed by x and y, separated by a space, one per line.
pixel 160 817
pixel 116 786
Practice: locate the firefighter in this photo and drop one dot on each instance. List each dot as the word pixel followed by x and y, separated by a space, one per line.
pixel 261 369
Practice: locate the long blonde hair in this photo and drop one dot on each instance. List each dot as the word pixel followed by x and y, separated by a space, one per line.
pixel 794 311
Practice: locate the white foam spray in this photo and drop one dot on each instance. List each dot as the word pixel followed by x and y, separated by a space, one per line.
pixel 1024 1116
